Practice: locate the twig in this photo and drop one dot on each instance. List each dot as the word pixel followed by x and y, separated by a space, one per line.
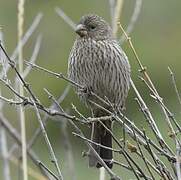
pixel 133 20
pixel 25 38
pixel 34 55
pixel 150 119
pixel 112 5
pixel 16 136
pixel 129 168
pixel 45 118
pixel 147 79
pixel 160 102
pixel 24 74
pixel 92 142
pixel 143 157
pixel 103 118
pixel 52 154
pixel 163 170
pixel 58 75
pixel 68 150
pixel 175 85
pixel 4 150
pixel 2 58
pixel 125 154
pixel 110 172
pixel 10 101
pixel 129 131
pixel 66 18
pixel 117 15
pixel 178 157
pixel 42 165
pixel 31 172
pixel 113 176
pixel 21 90
pixel 3 137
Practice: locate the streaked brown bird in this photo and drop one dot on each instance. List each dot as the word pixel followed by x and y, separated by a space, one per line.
pixel 98 63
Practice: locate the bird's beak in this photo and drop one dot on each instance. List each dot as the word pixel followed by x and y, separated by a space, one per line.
pixel 81 30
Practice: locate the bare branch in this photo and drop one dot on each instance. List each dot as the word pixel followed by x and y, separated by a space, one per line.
pixel 4 150
pixel 52 154
pixel 16 136
pixel 133 20
pixel 48 170
pixel 25 38
pixel 175 85
pixel 66 18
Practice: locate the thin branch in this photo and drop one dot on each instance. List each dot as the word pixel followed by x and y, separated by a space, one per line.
pixel 110 172
pixel 4 150
pixel 124 152
pixel 161 167
pixel 57 75
pixel 68 150
pixel 117 15
pixel 133 20
pixel 112 5
pixel 52 154
pixel 113 176
pixel 66 18
pixel 16 136
pixel 31 172
pixel 143 156
pixel 129 168
pixel 25 38
pixel 10 101
pixel 45 118
pixel 150 119
pixel 20 30
pixel 42 165
pixel 175 85
pixel 97 144
pixel 34 55
pixel 148 79
pixel 178 157
pixel 160 102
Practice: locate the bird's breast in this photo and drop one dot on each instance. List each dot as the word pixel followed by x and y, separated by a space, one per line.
pixel 99 65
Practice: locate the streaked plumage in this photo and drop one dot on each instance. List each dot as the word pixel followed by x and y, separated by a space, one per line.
pixel 98 63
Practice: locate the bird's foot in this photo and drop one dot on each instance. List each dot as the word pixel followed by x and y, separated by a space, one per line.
pixel 85 91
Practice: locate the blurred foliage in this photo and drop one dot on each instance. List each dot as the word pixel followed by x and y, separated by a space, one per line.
pixel 156 37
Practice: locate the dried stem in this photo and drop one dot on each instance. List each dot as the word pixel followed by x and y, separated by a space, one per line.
pixel 53 157
pixel 31 172
pixel 4 150
pixel 178 157
pixel 24 39
pixel 175 85
pixel 66 18
pixel 48 170
pixel 117 15
pixel 21 90
pixel 133 20
pixel 16 136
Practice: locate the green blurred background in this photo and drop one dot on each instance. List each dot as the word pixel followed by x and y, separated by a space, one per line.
pixel 156 37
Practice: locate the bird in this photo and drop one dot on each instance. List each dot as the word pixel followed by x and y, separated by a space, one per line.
pixel 99 65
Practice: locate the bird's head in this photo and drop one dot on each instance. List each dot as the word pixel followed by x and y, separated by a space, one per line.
pixel 93 26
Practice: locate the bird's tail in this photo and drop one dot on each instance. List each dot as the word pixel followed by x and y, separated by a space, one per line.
pixel 101 136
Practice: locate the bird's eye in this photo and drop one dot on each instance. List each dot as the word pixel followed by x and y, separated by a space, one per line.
pixel 92 27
